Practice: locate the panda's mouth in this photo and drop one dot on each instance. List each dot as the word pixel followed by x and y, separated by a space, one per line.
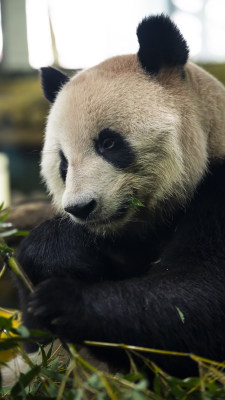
pixel 119 215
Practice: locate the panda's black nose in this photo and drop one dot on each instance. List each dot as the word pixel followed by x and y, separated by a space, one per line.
pixel 82 210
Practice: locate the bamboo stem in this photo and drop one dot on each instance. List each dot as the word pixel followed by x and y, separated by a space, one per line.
pixel 13 263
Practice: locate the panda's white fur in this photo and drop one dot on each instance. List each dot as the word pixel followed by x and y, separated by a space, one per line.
pixel 173 125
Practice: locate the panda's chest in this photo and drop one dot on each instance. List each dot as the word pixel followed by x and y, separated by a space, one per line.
pixel 130 258
pixel 132 255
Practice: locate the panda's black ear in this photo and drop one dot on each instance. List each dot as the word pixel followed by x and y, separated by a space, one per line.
pixel 161 44
pixel 52 81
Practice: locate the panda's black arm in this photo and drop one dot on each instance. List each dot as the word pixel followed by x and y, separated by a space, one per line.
pixel 140 311
pixel 58 247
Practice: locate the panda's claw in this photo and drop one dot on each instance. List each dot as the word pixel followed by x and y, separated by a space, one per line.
pixel 42 311
pixel 58 321
pixel 49 302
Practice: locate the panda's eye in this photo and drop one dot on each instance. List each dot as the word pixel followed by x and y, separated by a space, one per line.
pixel 108 144
pixel 114 148
pixel 63 166
pixel 108 141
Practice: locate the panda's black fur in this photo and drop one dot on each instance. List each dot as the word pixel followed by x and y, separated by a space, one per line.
pixel 160 285
pixel 49 88
pixel 161 50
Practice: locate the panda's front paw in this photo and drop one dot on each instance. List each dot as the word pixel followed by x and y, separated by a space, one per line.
pixel 56 303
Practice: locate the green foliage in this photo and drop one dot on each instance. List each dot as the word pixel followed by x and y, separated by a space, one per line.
pixel 181 315
pixel 135 203
pixel 46 378
pixel 6 228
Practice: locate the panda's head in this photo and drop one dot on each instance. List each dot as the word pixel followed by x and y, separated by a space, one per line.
pixel 132 127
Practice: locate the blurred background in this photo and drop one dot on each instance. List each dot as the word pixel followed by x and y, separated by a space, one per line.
pixel 72 35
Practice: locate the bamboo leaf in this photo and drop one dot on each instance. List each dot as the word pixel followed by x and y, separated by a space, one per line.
pixel 135 203
pixel 5 215
pixel 8 233
pixel 2 271
pixel 7 345
pixel 5 323
pixel 25 380
pixel 181 315
pixel 22 233
pixel 23 331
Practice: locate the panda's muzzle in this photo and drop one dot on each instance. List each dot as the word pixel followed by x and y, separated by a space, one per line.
pixel 82 210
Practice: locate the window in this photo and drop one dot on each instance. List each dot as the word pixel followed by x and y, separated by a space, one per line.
pixel 78 34
pixel 203 24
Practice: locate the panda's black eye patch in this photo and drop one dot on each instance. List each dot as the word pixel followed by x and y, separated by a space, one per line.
pixel 114 148
pixel 63 166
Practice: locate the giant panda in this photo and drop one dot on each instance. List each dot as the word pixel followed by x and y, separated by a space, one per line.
pixel 133 158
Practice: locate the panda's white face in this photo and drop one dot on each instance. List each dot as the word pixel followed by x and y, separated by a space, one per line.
pixel 114 134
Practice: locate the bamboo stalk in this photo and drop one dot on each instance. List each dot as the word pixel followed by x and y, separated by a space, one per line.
pixel 12 262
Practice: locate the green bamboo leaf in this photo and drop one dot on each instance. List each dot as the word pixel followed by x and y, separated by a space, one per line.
pixel 19 272
pixel 50 349
pixel 133 377
pixel 22 233
pixel 5 249
pixel 142 385
pixel 2 271
pixel 54 363
pixel 35 333
pixel 52 390
pixel 135 203
pixel 78 395
pixel 8 233
pixel 25 380
pixel 23 331
pixel 95 382
pixel 181 315
pixel 57 376
pixel 35 389
pixel 5 323
pixel 7 344
pixel 4 216
pixel 44 357
pixel 190 382
pixel 157 385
